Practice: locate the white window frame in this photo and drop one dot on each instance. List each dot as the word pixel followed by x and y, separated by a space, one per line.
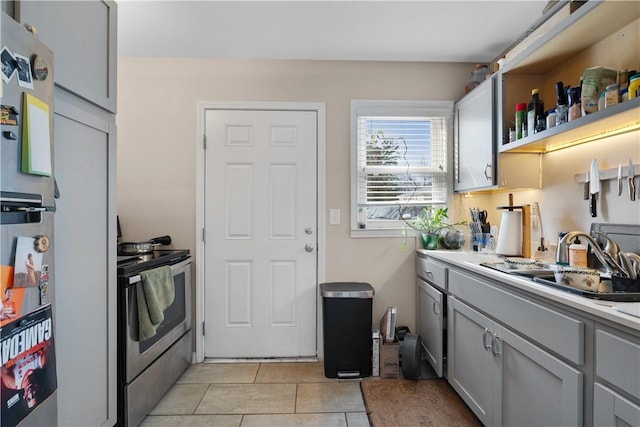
pixel 361 107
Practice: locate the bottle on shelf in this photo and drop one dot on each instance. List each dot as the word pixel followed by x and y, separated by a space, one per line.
pixel 535 111
pixel 552 118
pixel 520 120
pixel 575 106
pixel 612 95
pixel 634 86
pixel 562 105
pixel 623 81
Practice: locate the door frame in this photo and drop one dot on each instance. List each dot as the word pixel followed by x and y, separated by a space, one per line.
pixel 203 106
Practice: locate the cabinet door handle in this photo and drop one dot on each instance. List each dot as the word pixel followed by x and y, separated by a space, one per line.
pixel 436 308
pixel 484 339
pixel 486 168
pixel 496 345
pixel 428 273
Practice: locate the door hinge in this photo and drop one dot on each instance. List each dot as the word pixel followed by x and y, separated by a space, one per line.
pixel 203 328
pixel 204 142
pixel 204 234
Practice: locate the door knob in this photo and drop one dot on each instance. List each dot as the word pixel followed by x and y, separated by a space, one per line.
pixel 308 247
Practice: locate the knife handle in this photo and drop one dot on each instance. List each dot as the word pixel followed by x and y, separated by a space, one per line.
pixel 632 189
pixel 593 206
pixel 585 194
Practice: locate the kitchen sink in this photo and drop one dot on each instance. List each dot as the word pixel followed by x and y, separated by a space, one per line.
pixel 545 276
pixel 545 273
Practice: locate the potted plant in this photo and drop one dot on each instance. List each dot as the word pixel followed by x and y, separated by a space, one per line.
pixel 430 222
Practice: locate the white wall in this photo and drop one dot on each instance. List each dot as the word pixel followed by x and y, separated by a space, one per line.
pixel 157 106
pixel 560 199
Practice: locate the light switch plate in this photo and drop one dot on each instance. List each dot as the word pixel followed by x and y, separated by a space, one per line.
pixel 334 216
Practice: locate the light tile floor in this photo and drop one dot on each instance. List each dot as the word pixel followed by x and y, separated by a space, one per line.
pixel 279 394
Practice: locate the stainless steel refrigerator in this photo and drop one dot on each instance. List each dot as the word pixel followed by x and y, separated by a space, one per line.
pixel 27 207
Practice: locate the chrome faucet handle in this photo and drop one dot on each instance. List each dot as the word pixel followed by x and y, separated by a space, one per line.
pixel 562 253
pixel 610 245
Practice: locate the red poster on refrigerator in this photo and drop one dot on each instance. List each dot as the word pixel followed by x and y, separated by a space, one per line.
pixel 28 364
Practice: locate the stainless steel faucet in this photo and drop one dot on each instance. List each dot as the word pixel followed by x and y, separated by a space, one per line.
pixel 562 253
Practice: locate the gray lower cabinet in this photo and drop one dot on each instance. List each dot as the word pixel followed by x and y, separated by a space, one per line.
pixel 506 379
pixel 470 364
pixel 612 409
pixel 517 360
pixel 431 283
pixel 430 323
pixel 616 394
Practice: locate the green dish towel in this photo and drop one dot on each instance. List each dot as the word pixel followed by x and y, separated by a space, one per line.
pixel 155 292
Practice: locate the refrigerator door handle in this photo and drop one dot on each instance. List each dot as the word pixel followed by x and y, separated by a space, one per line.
pixel 32 209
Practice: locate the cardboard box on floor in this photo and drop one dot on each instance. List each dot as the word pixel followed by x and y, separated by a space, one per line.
pixel 390 360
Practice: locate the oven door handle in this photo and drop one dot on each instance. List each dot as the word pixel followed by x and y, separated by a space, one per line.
pixel 174 268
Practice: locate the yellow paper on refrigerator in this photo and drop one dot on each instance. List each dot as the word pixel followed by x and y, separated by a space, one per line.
pixel 36 137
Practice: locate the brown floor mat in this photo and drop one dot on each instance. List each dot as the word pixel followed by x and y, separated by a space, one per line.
pixel 400 402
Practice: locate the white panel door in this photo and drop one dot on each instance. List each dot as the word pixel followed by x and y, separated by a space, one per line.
pixel 260 221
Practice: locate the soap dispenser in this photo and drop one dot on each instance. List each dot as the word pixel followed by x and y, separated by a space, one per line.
pixel 577 254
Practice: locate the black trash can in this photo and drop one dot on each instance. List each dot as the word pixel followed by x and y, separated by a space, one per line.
pixel 346 313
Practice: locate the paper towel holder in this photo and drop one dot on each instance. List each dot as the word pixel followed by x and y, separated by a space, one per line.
pixel 510 207
pixel 526 224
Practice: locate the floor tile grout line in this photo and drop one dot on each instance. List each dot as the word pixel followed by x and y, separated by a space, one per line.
pixel 200 400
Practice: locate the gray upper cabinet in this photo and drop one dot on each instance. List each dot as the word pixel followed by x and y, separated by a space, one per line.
pixel 474 159
pixel 82 35
pixel 477 163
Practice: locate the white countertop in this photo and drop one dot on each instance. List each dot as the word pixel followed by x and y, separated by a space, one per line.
pixel 599 308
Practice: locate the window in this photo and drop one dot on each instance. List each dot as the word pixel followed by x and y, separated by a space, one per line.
pixel 399 162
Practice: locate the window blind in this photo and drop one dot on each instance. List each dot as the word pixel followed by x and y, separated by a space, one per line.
pixel 401 161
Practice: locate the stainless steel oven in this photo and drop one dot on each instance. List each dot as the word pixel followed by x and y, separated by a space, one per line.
pixel 147 369
pixel 177 321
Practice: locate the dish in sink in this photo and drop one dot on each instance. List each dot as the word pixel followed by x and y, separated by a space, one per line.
pixel 517 263
pixel 581 278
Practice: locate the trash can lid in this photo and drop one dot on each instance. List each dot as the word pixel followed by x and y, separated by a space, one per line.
pixel 346 290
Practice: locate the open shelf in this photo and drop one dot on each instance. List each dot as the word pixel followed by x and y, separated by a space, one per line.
pixel 620 118
pixel 594 21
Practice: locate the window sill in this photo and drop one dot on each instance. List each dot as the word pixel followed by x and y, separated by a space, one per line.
pixel 381 232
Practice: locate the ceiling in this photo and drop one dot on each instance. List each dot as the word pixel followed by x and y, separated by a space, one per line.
pixel 426 30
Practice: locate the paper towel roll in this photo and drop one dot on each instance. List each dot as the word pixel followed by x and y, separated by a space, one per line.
pixel 510 236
